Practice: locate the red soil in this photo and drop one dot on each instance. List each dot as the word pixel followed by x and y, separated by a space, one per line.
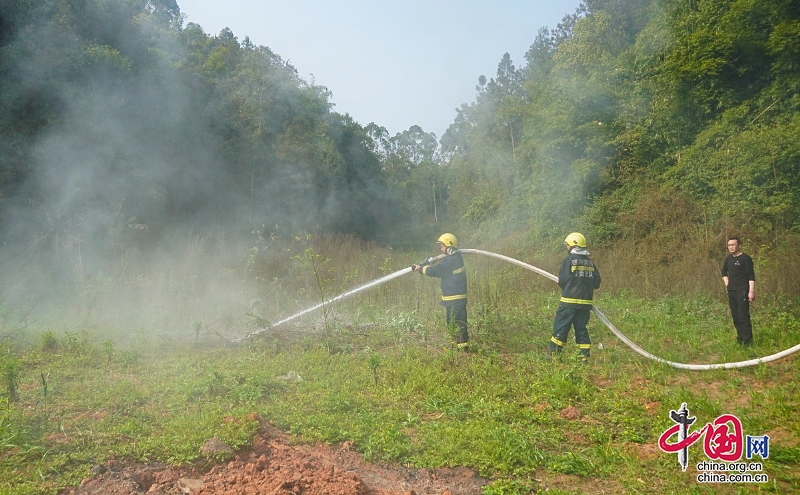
pixel 274 466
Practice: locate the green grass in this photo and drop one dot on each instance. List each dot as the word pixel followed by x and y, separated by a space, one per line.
pixel 392 390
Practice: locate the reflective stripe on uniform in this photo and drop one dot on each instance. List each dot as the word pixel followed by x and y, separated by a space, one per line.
pixel 455 272
pixel 454 298
pixel 556 342
pixel 424 269
pixel 569 300
pixel 582 268
pixel 584 346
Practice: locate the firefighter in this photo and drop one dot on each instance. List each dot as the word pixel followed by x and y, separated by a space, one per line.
pixel 578 278
pixel 454 286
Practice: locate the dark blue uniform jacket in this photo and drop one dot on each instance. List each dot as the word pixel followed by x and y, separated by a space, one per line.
pixel 578 278
pixel 454 278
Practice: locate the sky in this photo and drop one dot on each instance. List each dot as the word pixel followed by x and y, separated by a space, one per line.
pixel 394 63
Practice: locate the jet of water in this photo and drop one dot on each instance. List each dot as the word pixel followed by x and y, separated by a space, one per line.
pixel 349 293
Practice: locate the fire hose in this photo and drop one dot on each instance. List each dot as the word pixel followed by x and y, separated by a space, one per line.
pixel 629 342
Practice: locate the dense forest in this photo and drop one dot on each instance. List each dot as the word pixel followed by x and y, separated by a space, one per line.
pixel 650 123
pixel 642 122
pixel 115 113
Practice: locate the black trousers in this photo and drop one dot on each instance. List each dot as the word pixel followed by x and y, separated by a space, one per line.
pixel 566 317
pixel 740 310
pixel 458 313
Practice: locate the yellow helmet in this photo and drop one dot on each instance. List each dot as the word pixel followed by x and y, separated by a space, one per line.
pixel 449 240
pixel 575 239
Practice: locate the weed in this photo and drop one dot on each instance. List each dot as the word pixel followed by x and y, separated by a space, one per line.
pixel 108 349
pixel 321 269
pixel 10 370
pixel 410 420
pixel 373 363
pixel 572 463
pixel 49 341
pixel 259 322
pixel 785 455
pixel 510 487
pixel 130 357
pixel 70 341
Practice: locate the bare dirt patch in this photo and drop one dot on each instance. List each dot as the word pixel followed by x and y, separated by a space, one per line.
pixel 783 437
pixel 653 407
pixel 643 451
pixel 602 382
pixel 640 383
pixel 276 467
pixel 570 413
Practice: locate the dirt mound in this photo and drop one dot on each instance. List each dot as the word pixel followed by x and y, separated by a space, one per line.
pixel 276 467
pixel 570 413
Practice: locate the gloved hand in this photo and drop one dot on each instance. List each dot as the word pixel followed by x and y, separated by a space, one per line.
pixel 425 262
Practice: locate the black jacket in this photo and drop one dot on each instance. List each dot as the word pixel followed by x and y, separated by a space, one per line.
pixel 454 278
pixel 578 278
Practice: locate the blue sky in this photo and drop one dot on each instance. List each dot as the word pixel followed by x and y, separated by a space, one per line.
pixel 397 64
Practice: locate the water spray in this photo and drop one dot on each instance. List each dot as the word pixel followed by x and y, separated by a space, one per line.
pixel 349 293
pixel 597 312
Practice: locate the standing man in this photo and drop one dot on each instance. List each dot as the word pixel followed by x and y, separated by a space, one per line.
pixel 740 280
pixel 578 278
pixel 454 286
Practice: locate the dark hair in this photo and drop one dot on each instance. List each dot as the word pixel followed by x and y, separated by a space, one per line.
pixel 738 241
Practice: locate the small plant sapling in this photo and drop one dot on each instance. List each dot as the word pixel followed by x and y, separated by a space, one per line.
pixel 70 341
pixel 11 378
pixel 108 349
pixel 49 341
pixel 373 363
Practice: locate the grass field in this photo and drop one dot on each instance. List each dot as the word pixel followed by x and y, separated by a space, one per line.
pixel 375 372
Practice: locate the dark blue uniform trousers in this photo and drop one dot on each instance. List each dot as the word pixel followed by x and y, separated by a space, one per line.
pixel 566 317
pixel 458 313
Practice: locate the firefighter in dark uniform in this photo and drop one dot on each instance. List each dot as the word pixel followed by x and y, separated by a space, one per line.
pixel 578 278
pixel 454 286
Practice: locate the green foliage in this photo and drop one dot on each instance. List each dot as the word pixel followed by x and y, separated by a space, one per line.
pixel 628 104
pixel 197 326
pixel 571 463
pixel 785 455
pixel 49 341
pixel 416 182
pixel 77 343
pixel 483 207
pixel 510 487
pixel 109 349
pixel 220 111
pixel 373 363
pixel 10 370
